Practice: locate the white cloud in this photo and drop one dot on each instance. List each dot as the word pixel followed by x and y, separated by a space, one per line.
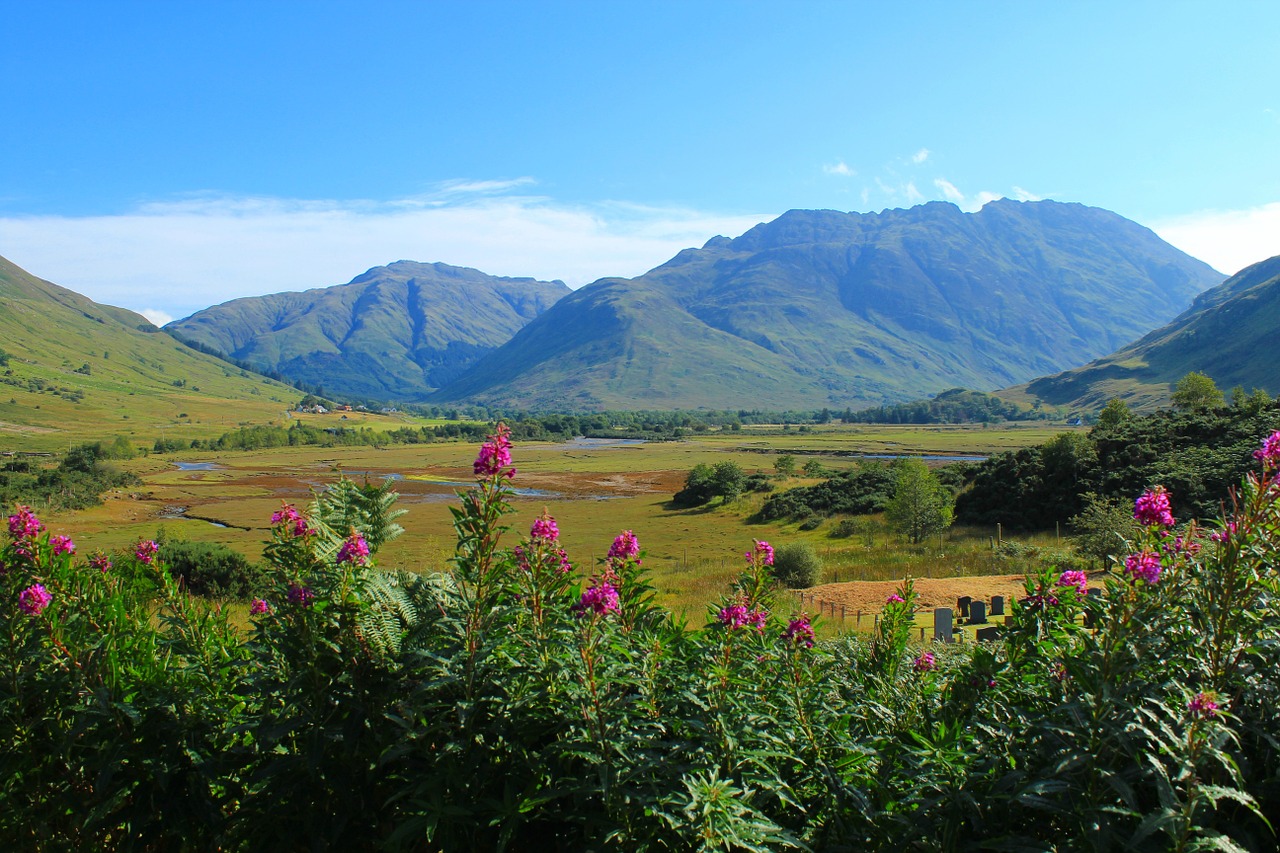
pixel 949 190
pixel 840 168
pixel 159 318
pixel 920 156
pixel 983 197
pixel 1023 195
pixel 913 195
pixel 1227 240
pixel 174 258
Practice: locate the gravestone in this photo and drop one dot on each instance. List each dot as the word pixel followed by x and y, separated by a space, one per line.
pixel 978 613
pixel 997 605
pixel 1089 620
pixel 962 606
pixel 987 634
pixel 942 625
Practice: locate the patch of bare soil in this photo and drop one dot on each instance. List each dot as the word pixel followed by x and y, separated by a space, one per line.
pixel 869 596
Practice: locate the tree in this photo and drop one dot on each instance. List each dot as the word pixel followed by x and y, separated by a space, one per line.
pixel 797 565
pixel 785 465
pixel 920 504
pixel 728 480
pixel 1115 413
pixel 1196 392
pixel 813 468
pixel 699 487
pixel 1102 528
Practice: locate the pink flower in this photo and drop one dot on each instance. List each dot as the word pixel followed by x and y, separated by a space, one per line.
pixel 1269 453
pixel 1059 672
pixel 100 561
pixel 146 551
pixel 1144 566
pixel 259 607
pixel 1076 579
pixel 34 599
pixel 354 550
pixel 544 528
pixel 763 550
pixel 300 595
pixel 739 616
pixel 800 631
pixel 926 662
pixel 62 545
pixel 1204 705
pixel 288 514
pixel 495 454
pixel 894 599
pixel 565 566
pixel 1152 508
pixel 1225 533
pixel 601 600
pixel 23 524
pixel 624 547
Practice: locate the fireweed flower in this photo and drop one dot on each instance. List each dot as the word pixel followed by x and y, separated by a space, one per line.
pixel 565 566
pixel 544 528
pixel 739 616
pixel 926 662
pixel 34 599
pixel 1225 534
pixel 288 514
pixel 1269 453
pixel 259 607
pixel 146 551
pixel 1152 508
pixel 601 600
pixel 23 524
pixel 625 546
pixel 763 550
pixel 62 545
pixel 1074 579
pixel 495 454
pixel 100 561
pixel 354 550
pixel 300 595
pixel 894 599
pixel 800 631
pixel 1204 706
pixel 1144 566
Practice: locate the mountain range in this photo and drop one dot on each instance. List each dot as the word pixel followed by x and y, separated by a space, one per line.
pixel 1228 333
pixel 396 332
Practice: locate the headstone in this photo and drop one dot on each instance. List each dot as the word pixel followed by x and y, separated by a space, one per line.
pixel 962 606
pixel 985 635
pixel 942 625
pixel 1089 620
pixel 997 605
pixel 978 613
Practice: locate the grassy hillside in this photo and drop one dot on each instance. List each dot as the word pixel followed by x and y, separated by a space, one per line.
pixel 78 370
pixel 820 308
pixel 1229 334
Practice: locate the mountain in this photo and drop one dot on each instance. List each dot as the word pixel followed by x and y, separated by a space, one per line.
pixel 72 368
pixel 821 308
pixel 395 333
pixel 1229 333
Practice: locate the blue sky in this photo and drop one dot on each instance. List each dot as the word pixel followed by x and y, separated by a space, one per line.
pixel 166 156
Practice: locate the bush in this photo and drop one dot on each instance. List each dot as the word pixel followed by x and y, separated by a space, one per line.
pixel 212 570
pixel 797 565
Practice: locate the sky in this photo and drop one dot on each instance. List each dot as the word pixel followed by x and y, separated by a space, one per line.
pixel 165 157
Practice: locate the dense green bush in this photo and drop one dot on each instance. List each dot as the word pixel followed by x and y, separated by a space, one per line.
pixel 857 491
pixel 212 570
pixel 515 704
pixel 797 565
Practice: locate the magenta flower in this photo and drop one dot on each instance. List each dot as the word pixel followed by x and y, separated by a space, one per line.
pixel 495 454
pixel 624 547
pixel 23 524
pixel 100 561
pixel 544 528
pixel 1144 566
pixel 739 616
pixel 894 599
pixel 1152 508
pixel 565 566
pixel 1269 453
pixel 800 631
pixel 62 545
pixel 146 551
pixel 259 607
pixel 763 550
pixel 354 550
pixel 1204 705
pixel 1225 534
pixel 34 599
pixel 1058 672
pixel 601 600
pixel 925 662
pixel 288 514
pixel 1076 579
pixel 300 595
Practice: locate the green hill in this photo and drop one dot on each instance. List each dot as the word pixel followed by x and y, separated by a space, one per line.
pixel 1228 333
pixel 394 333
pixel 821 308
pixel 79 370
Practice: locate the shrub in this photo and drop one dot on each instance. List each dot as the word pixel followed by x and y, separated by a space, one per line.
pixel 212 570
pixel 797 565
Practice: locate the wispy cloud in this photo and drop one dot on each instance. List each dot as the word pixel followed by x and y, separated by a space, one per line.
pixel 913 195
pixel 920 156
pixel 159 318
pixel 949 190
pixel 1227 240
pixel 840 168
pixel 1023 195
pixel 173 258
